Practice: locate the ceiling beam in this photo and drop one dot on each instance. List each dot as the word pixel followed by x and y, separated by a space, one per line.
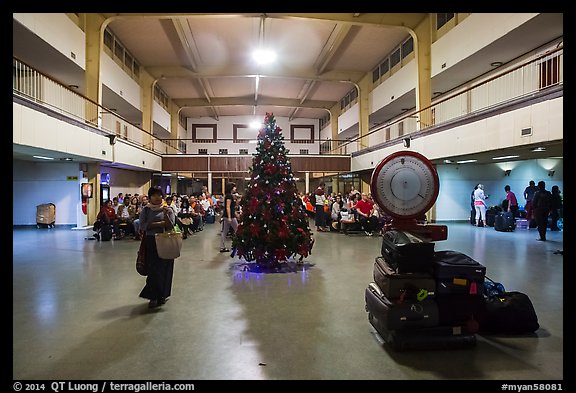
pixel 333 43
pixel 249 101
pixel 166 72
pixel 406 20
pixel 187 42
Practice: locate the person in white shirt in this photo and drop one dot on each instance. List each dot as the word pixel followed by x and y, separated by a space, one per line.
pixel 480 204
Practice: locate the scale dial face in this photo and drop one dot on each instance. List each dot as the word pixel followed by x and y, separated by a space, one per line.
pixel 405 184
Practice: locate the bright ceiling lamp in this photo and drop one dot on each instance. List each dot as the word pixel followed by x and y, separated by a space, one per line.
pixel 255 125
pixel 264 56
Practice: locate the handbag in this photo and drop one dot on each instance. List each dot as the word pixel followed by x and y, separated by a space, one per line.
pixel 168 244
pixel 141 265
pixel 186 221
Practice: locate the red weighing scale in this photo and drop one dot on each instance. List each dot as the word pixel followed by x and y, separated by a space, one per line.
pixel 405 185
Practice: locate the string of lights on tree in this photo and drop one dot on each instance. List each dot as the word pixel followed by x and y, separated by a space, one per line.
pixel 273 226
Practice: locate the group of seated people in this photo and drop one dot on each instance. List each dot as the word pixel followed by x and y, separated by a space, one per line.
pixel 354 211
pixel 122 214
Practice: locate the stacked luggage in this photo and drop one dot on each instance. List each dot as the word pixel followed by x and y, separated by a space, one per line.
pixel 459 289
pixel 402 301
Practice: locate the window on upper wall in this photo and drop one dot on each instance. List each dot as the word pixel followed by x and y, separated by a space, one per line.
pixel 407 47
pixel 119 51
pixel 442 19
pixel 108 39
pixel 121 55
pixel 202 151
pixel 353 95
pixel 395 58
pixel 128 60
pixel 182 120
pixel 303 151
pixel 243 151
pixel 223 151
pixel 376 74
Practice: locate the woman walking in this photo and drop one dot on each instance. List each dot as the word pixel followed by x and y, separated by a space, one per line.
pixel 154 219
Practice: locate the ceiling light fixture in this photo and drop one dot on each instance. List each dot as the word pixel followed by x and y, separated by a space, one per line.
pixel 538 149
pixel 504 157
pixel 465 161
pixel 496 64
pixel 43 158
pixel 262 55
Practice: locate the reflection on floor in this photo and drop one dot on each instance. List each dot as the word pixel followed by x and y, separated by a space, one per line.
pixel 77 314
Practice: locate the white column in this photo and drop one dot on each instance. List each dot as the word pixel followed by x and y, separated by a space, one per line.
pixel 210 182
pixel 307 182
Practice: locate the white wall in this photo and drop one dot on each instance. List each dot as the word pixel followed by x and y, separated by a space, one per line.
pixel 401 82
pixel 348 118
pixel 161 116
pixel 125 153
pixel 34 128
pixel 225 131
pixel 457 182
pixel 36 183
pixel 493 133
pixel 127 181
pixel 58 31
pixel 471 35
pixel 117 80
pixel 37 129
pixel 326 133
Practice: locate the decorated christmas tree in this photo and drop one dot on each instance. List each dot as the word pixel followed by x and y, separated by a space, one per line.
pixel 273 226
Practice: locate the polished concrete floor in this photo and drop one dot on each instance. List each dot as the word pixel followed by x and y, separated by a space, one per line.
pixel 77 315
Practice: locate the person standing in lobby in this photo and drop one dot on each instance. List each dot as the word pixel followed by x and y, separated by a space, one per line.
pixel 156 218
pixel 229 219
pixel 542 203
pixel 528 195
pixel 319 205
pixel 511 201
pixel 480 205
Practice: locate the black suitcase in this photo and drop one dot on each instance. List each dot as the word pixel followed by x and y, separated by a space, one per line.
pixel 457 273
pixel 393 315
pixel 505 222
pixel 402 285
pixel 406 252
pixel 106 232
pixel 491 217
pixel 429 338
pixel 464 310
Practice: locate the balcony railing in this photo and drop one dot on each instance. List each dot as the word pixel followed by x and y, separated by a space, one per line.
pixel 43 90
pixel 523 80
